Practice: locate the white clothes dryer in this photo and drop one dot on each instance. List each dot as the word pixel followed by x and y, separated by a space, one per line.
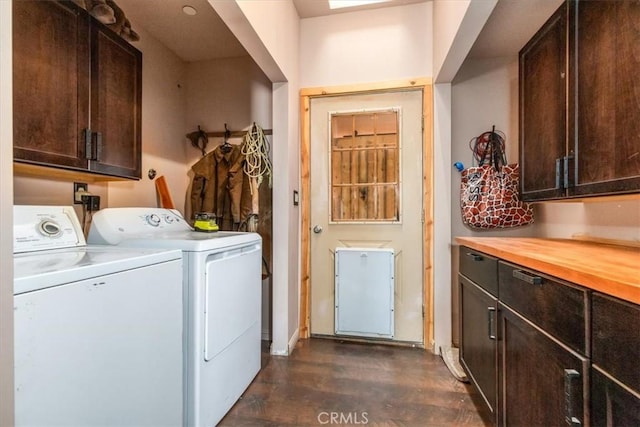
pixel 98 330
pixel 222 300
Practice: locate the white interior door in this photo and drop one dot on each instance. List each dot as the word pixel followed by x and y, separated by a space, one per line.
pixel 366 192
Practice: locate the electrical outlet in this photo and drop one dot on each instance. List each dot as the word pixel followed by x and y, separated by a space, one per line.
pixel 91 202
pixel 79 188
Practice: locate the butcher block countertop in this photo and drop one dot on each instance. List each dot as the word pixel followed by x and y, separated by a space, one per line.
pixel 610 269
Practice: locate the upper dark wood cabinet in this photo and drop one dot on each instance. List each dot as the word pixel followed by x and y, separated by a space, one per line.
pixel 50 83
pixel 605 45
pixel 77 91
pixel 543 82
pixel 116 89
pixel 580 102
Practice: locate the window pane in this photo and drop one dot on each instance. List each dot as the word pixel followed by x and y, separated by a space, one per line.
pixel 364 166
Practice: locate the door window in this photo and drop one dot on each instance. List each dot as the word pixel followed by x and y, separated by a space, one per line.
pixel 365 164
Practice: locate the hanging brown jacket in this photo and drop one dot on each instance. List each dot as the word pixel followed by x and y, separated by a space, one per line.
pixel 221 187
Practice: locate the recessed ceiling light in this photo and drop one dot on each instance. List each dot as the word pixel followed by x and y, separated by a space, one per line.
pixel 189 10
pixel 337 4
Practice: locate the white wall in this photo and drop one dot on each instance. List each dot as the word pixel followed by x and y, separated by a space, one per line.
pixel 164 145
pixel 456 25
pixel 269 31
pixel 441 217
pixel 484 93
pixel 234 91
pixel 6 218
pixel 615 220
pixel 366 46
pixel 28 190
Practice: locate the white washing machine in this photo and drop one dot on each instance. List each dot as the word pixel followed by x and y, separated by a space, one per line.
pixel 222 297
pixel 98 330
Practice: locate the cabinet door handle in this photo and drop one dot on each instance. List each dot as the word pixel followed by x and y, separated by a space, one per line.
pixel 566 171
pixel 558 173
pixel 98 146
pixel 475 257
pixel 526 277
pixel 88 144
pixel 491 313
pixel 570 377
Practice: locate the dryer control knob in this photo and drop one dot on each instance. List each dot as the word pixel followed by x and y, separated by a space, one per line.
pixel 153 220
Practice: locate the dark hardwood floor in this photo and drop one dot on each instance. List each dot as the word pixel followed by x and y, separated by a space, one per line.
pixel 327 382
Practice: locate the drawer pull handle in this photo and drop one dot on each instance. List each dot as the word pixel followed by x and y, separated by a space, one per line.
pixel 526 277
pixel 475 257
pixel 570 378
pixel 491 312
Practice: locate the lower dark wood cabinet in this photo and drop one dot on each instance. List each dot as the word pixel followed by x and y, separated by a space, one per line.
pixel 615 379
pixel 612 404
pixel 478 350
pixel 542 381
pixel 544 351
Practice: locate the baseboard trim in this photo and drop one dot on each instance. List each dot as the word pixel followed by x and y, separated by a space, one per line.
pixel 294 340
pixel 290 346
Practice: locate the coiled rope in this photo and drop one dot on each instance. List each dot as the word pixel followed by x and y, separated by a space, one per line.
pixel 489 148
pixel 255 148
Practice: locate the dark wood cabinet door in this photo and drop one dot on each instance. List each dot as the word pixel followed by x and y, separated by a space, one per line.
pixel 612 404
pixel 543 97
pixel 605 61
pixel 116 69
pixel 478 342
pixel 542 381
pixel 50 83
pixel 615 338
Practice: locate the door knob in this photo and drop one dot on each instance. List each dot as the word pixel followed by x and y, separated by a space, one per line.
pixel 317 229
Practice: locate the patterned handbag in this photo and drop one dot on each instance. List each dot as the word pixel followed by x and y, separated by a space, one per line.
pixel 489 192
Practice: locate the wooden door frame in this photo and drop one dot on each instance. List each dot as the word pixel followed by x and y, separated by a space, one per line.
pixel 306 94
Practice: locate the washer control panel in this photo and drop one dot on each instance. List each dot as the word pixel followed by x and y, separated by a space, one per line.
pixel 45 227
pixel 113 225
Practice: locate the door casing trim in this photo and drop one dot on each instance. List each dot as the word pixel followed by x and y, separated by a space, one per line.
pixel 424 84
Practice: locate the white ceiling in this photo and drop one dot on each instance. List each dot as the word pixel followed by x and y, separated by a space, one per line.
pixel 511 24
pixel 193 38
pixel 204 36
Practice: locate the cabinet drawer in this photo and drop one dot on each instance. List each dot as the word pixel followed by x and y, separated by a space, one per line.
pixel 616 340
pixel 556 307
pixel 479 268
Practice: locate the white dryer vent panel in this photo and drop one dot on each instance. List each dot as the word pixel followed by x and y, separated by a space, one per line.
pixel 364 292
